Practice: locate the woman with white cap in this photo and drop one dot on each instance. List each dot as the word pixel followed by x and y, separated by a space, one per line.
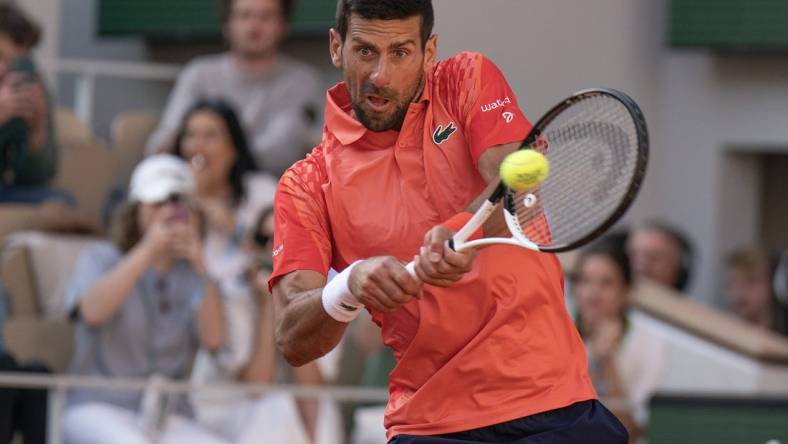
pixel 143 305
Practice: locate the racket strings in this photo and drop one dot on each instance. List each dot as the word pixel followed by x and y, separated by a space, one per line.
pixel 592 149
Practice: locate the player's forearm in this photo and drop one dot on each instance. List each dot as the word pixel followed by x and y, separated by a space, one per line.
pixel 304 330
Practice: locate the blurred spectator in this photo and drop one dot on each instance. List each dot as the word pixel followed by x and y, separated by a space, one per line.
pixel 625 359
pixel 234 197
pixel 662 254
pixel 28 152
pixel 142 306
pixel 280 417
pixel 750 291
pixel 275 96
pixel 214 145
pixel 21 410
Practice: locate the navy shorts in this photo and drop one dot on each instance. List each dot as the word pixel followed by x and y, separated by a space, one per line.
pixel 587 422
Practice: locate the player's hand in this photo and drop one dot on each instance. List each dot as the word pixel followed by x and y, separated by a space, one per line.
pixel 383 283
pixel 439 265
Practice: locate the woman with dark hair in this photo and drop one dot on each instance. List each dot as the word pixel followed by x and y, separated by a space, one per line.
pixel 234 195
pixel 625 359
pixel 142 305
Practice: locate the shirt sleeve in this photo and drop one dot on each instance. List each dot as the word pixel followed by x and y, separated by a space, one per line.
pixel 492 115
pixel 302 238
pixel 93 263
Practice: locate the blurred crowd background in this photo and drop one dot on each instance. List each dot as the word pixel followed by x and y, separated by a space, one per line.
pixel 140 147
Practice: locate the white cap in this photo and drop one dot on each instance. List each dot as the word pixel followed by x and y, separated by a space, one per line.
pixel 158 177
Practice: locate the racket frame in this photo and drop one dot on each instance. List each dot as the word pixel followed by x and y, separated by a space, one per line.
pixel 459 241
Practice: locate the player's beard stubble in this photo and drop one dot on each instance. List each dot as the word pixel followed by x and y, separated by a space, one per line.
pixel 384 122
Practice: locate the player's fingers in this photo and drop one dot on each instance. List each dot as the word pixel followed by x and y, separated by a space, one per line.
pixel 417 267
pixel 433 278
pixel 460 262
pixel 435 251
pixel 392 290
pixel 426 264
pixel 374 297
pixel 407 283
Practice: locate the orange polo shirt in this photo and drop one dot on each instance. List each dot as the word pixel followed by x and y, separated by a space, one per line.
pixel 496 346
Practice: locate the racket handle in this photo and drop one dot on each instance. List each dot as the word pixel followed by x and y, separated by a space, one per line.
pixel 411 267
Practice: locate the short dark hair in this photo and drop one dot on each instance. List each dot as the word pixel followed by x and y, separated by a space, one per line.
pixel 287 7
pixel 386 10
pixel 18 27
pixel 244 161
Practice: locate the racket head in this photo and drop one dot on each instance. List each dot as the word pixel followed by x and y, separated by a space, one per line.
pixel 596 142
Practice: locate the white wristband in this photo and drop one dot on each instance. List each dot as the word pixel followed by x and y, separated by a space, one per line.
pixel 338 301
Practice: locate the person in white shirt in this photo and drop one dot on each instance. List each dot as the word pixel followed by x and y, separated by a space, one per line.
pixel 626 361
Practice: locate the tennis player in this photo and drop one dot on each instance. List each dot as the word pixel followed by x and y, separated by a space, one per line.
pixel 485 349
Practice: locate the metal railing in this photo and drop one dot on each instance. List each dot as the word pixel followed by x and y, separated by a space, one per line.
pixel 58 386
pixel 87 72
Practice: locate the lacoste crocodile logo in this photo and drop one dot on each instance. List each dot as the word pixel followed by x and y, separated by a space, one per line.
pixel 442 134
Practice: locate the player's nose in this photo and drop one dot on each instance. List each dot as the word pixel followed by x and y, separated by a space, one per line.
pixel 381 75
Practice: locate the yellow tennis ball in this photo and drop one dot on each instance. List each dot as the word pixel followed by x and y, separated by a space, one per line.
pixel 524 169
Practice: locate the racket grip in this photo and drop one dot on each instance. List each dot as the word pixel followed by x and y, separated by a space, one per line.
pixel 411 267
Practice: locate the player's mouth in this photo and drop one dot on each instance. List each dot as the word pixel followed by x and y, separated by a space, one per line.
pixel 377 103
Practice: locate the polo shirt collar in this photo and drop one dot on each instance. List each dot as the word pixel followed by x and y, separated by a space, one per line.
pixel 339 119
pixel 341 123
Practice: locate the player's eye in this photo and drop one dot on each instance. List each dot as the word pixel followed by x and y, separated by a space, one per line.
pixel 401 53
pixel 365 52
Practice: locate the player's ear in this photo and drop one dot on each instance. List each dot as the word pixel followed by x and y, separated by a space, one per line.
pixel 335 47
pixel 430 52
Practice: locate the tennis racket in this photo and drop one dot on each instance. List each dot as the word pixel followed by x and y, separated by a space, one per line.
pixel 596 143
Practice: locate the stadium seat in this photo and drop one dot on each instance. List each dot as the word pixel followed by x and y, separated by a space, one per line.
pixel 85 170
pixel 130 132
pixel 36 268
pixel 69 127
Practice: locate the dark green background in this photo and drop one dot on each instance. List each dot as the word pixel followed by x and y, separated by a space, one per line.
pixel 717 421
pixel 180 19
pixel 729 24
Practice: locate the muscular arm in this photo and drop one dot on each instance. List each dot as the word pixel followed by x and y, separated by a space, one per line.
pixel 304 331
